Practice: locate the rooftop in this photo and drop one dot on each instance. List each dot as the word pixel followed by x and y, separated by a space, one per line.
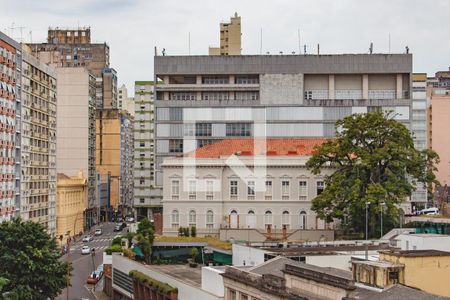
pixel 247 147
pixel 184 273
pixel 415 253
pixel 398 291
pixel 329 249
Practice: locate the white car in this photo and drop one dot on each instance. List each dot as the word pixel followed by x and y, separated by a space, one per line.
pixel 98 232
pixel 87 238
pixel 85 250
pixel 429 211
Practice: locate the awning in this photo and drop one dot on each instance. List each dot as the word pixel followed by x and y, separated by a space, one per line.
pixel 138 251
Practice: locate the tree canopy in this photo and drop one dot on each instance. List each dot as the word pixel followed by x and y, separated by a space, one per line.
pixel 145 236
pixel 29 259
pixel 374 160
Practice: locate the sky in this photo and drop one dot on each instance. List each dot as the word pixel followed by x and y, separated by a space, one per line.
pixel 133 28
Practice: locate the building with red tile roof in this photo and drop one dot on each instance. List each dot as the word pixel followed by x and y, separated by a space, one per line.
pixel 252 147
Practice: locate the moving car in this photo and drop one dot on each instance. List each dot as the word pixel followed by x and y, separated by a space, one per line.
pixel 98 232
pixel 85 250
pixel 87 238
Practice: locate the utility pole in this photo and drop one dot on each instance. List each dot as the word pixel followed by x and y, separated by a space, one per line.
pixel 367 220
pixel 381 226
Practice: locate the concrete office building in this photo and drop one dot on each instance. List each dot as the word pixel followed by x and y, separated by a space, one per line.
pixel 39 106
pixel 147 199
pixel 75 137
pixel 230 38
pixel 10 127
pixel 72 47
pixel 115 156
pixel 277 96
pixel 124 102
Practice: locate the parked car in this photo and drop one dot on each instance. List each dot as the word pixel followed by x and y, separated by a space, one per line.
pixel 85 250
pixel 98 232
pixel 429 211
pixel 129 219
pixel 95 276
pixel 118 227
pixel 87 238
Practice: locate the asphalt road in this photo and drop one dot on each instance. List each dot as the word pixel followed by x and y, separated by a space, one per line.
pixel 83 265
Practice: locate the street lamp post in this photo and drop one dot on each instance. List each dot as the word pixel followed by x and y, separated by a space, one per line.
pixel 381 226
pixel 367 220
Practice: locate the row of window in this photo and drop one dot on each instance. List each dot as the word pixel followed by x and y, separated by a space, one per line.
pixel 185 96
pixel 250 218
pixel 234 187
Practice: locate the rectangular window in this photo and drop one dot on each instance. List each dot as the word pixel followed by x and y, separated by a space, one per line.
pixel 246 96
pixel 175 189
pixel 302 190
pixel 209 190
pixel 215 95
pixel 238 129
pixel 215 79
pixel 201 143
pixel 320 187
pixel 142 200
pixel 183 96
pixel 285 192
pixel 233 188
pixel 203 129
pixel 192 189
pixel 175 146
pixel 247 79
pixel 268 193
pixel 251 190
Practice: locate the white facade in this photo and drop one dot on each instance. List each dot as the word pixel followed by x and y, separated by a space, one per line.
pixel 425 241
pixel 123 101
pixel 275 191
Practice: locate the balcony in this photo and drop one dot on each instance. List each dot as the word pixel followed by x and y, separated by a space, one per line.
pixel 382 94
pixel 207 87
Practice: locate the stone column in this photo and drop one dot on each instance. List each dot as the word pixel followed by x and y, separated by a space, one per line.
pixel 232 79
pixel 199 79
pixel 365 86
pixel 166 79
pixel 331 89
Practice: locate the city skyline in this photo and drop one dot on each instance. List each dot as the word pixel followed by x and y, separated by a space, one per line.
pixel 343 27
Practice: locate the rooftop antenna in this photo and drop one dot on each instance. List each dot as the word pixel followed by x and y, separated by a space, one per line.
pixel 318 49
pixel 299 42
pixel 304 49
pixel 31 37
pixel 281 52
pixel 407 49
pixel 156 51
pixel 371 48
pixel 164 52
pixel 17 27
pixel 260 43
pixel 389 43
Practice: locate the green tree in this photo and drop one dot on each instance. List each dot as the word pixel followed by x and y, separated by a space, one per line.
pixel 193 231
pixel 29 259
pixel 374 160
pixel 146 229
pixel 146 247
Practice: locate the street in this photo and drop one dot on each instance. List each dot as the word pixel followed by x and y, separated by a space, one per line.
pixel 83 265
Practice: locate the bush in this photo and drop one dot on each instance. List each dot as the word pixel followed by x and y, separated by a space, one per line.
pixel 193 253
pixel 117 241
pixel 160 286
pixel 193 231
pixel 180 231
pixel 113 248
pixel 193 264
pixel 186 231
pixel 129 253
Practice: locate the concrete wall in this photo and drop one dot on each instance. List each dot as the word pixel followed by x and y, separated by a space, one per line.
pixel 185 291
pixel 440 107
pixel 284 64
pixel 212 281
pixel 278 89
pixel 250 255
pixel 422 242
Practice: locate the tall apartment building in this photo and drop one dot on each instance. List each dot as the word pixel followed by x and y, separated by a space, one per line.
pixel 72 47
pixel 115 156
pixel 146 199
pixel 202 99
pixel 10 126
pixel 76 131
pixel 38 159
pixel 419 127
pixel 124 102
pixel 230 38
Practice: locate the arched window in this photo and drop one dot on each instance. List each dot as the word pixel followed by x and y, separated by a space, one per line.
pixel 268 218
pixel 251 219
pixel 175 216
pixel 285 220
pixel 303 220
pixel 192 218
pixel 209 217
pixel 233 221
